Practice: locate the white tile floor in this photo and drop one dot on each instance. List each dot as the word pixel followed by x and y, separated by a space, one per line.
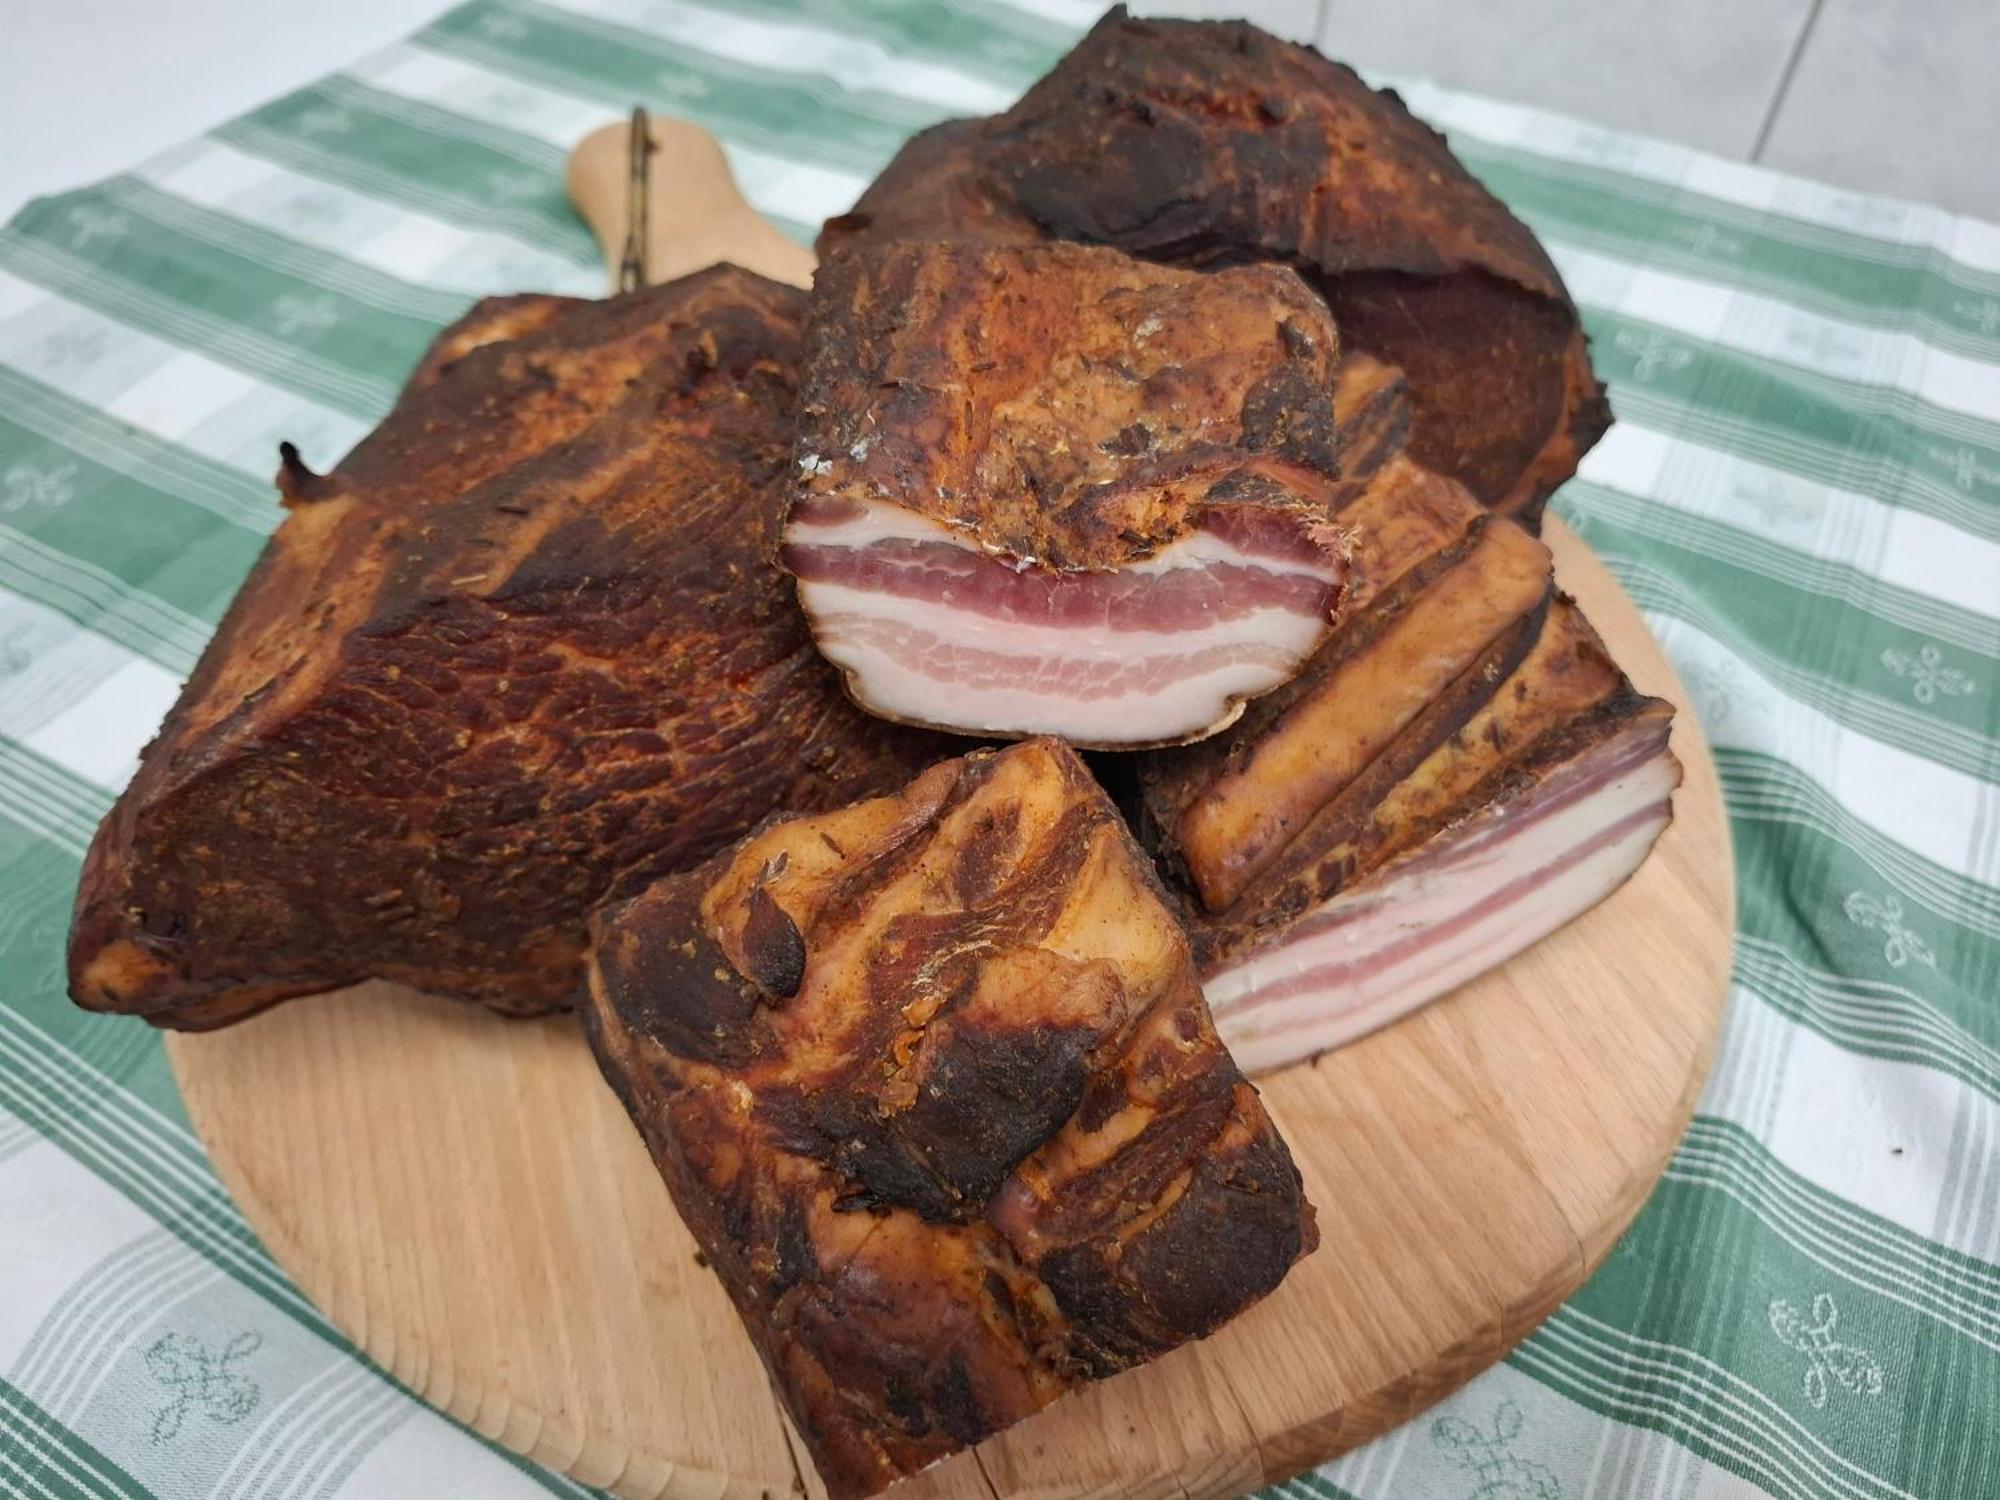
pixel 1889 96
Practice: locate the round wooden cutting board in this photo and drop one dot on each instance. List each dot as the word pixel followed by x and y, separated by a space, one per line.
pixel 466 1199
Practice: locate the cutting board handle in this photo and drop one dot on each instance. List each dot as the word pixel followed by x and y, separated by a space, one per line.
pixel 695 213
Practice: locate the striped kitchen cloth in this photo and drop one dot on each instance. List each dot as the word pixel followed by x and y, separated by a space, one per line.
pixel 1803 492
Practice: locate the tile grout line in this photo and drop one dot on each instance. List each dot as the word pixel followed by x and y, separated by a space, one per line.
pixel 1785 80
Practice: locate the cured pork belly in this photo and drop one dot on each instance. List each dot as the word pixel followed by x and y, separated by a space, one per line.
pixel 1543 804
pixel 932 1084
pixel 1215 143
pixel 1460 770
pixel 523 650
pixel 1057 490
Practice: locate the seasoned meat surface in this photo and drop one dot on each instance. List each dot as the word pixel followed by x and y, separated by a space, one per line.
pixel 524 649
pixel 932 1083
pixel 1056 489
pixel 1458 770
pixel 1215 143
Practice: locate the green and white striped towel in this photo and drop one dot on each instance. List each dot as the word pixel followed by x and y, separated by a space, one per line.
pixel 1803 492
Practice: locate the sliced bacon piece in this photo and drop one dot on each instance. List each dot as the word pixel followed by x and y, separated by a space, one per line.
pixel 1553 838
pixel 932 1084
pixel 1057 490
pixel 1461 769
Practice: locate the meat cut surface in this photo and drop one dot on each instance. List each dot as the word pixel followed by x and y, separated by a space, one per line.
pixel 932 1083
pixel 1459 770
pixel 1053 489
pixel 1215 143
pixel 524 649
pixel 1543 804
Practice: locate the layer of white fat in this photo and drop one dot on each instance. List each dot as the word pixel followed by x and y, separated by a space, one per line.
pixel 1339 977
pixel 925 661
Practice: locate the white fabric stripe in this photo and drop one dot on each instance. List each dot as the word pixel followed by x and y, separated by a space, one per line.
pixel 206 407
pixel 61 1220
pixel 339 220
pixel 186 1277
pixel 148 1141
pixel 1928 813
pixel 99 737
pixel 1871 1131
pixel 1974 243
pixel 316 1437
pixel 1748 322
pixel 59 664
pixel 773 184
pixel 1903 547
pixel 853 62
pixel 311 1409
pixel 90 1302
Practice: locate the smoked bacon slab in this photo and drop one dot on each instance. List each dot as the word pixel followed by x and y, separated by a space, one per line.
pixel 932 1084
pixel 1209 143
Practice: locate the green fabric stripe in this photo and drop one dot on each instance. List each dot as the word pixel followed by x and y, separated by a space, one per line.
pixel 43 797
pixel 1703 1271
pixel 1891 1262
pixel 1829 272
pixel 1309 1486
pixel 1702 545
pixel 45 1458
pixel 162 573
pixel 99 601
pixel 803 117
pixel 1799 653
pixel 1874 1018
pixel 136 457
pixel 206 230
pixel 994 42
pixel 411 169
pixel 1847 437
pixel 543 162
pixel 1792 835
pixel 1694 1400
pixel 177 302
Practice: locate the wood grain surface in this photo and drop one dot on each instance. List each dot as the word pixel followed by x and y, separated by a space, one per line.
pixel 465 1198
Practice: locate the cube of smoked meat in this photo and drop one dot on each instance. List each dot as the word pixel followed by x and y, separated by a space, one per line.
pixel 933 1086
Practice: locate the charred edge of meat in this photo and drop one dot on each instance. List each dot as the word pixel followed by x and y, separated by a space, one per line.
pixel 1052 489
pixel 988 1147
pixel 1215 144
pixel 488 672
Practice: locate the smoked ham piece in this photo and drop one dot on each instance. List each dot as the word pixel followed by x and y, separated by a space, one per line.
pixel 1460 770
pixel 524 649
pixel 1214 143
pixel 1053 489
pixel 933 1086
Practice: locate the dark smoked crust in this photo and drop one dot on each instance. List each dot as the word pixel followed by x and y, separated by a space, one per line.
pixel 1065 403
pixel 523 649
pixel 895 1169
pixel 1214 143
